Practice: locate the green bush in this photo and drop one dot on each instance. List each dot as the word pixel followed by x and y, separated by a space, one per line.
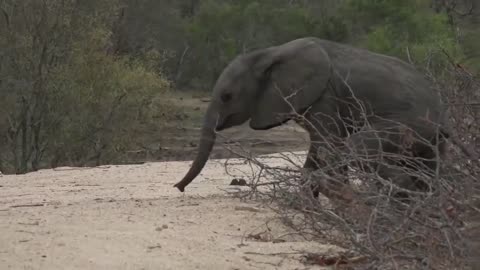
pixel 221 30
pixel 104 101
pixel 74 103
pixel 408 29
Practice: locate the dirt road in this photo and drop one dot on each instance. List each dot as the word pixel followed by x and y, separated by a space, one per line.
pixel 130 217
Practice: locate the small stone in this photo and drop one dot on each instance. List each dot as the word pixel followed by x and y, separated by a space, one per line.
pixel 238 182
pixel 165 226
pixel 242 182
pixel 154 247
pixel 275 241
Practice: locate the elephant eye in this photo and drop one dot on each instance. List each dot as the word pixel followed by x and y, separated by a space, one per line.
pixel 226 97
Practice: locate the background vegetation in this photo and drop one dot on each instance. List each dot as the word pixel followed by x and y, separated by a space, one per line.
pixel 81 79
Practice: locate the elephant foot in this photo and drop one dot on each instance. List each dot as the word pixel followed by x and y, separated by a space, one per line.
pixel 327 185
pixel 344 194
pixel 315 191
pixel 334 191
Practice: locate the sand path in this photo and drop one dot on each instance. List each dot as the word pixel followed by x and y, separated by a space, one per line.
pixel 130 217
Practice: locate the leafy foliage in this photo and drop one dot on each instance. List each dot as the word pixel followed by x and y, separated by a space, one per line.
pixel 78 78
pixel 103 100
pixel 221 30
pixel 65 99
pixel 406 29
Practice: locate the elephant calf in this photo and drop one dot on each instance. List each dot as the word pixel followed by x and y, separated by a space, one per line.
pixel 342 92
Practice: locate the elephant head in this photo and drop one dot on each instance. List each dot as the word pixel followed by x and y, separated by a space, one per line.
pixel 267 87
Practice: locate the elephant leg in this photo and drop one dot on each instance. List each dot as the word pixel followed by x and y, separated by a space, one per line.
pixel 312 164
pixel 326 137
pixel 410 167
pixel 317 160
pixel 428 161
pixel 377 150
pixel 312 161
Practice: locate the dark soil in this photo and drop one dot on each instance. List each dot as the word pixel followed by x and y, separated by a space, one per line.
pixel 181 143
pixel 178 140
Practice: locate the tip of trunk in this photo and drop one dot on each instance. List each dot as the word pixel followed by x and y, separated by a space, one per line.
pixel 180 186
pixel 192 173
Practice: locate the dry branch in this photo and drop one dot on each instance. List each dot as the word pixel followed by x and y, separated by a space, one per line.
pixel 388 224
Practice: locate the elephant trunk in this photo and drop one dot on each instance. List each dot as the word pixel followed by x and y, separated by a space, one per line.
pixel 207 140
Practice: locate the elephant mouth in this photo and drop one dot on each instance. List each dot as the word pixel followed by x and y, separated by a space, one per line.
pixel 278 123
pixel 274 125
pixel 231 120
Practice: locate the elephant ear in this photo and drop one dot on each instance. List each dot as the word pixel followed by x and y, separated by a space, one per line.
pixel 292 77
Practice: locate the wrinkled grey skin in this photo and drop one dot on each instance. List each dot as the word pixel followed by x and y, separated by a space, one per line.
pixel 320 78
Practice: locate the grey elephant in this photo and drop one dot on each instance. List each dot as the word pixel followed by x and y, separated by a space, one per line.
pixel 337 89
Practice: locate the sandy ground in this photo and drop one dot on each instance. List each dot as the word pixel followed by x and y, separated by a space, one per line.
pixel 130 217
